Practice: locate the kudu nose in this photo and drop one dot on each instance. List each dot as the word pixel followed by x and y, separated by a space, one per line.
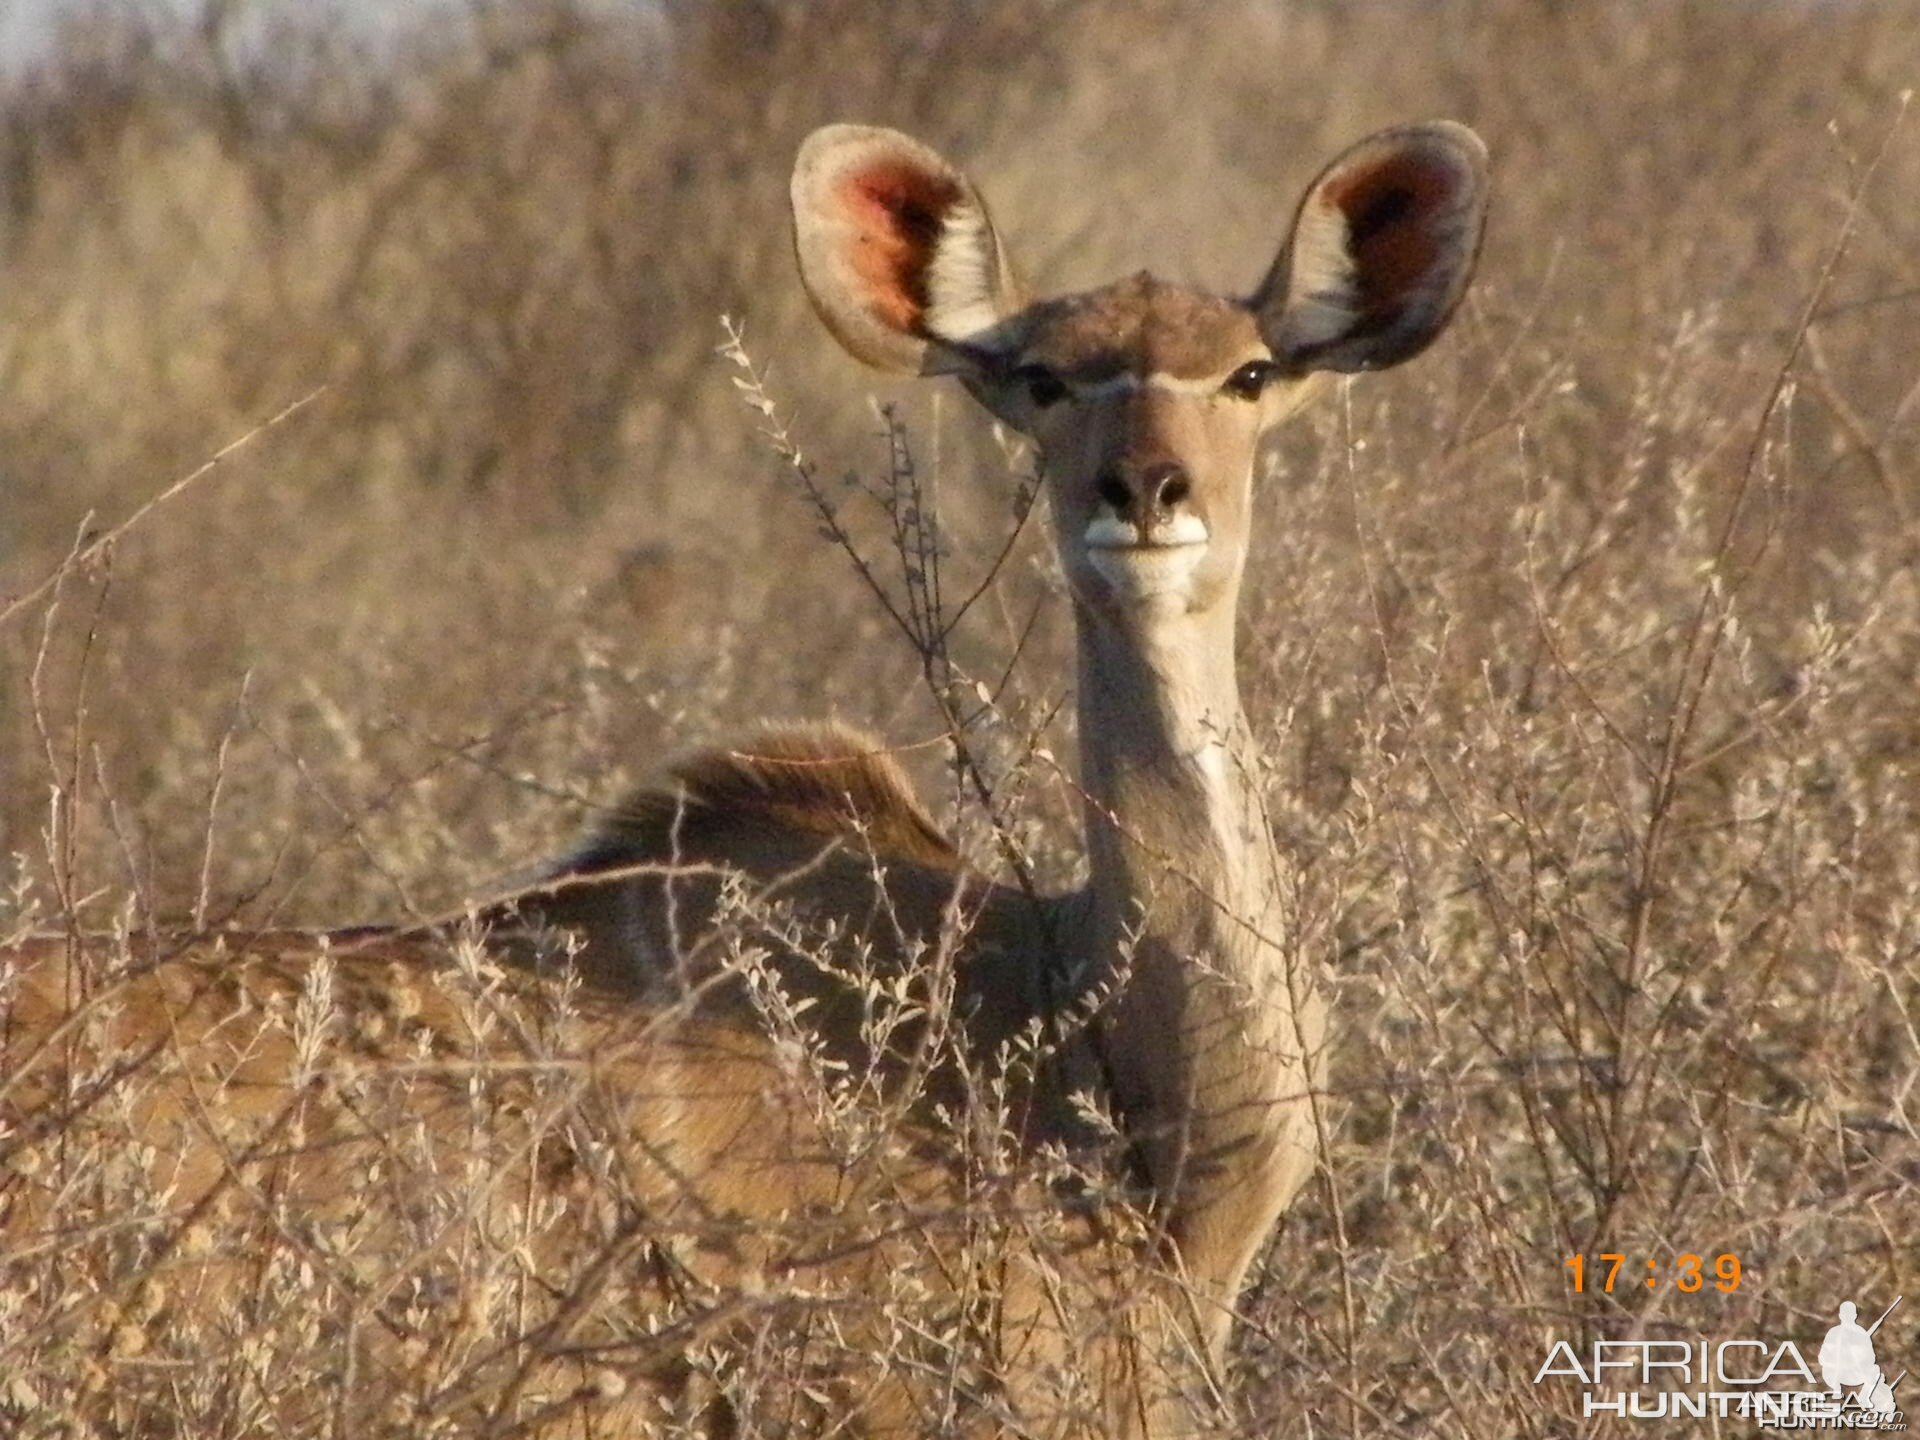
pixel 1147 493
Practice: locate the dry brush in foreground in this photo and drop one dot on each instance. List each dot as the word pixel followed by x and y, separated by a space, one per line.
pixel 1598 817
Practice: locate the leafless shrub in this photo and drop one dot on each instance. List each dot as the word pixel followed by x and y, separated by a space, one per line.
pixel 1601 796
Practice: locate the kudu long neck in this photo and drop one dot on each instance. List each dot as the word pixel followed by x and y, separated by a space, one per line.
pixel 1160 730
pixel 1207 1037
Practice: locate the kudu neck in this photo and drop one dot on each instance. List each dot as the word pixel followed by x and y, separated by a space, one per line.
pixel 1210 1036
pixel 1166 750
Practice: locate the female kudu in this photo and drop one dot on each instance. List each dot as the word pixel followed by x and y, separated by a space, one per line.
pixel 663 1143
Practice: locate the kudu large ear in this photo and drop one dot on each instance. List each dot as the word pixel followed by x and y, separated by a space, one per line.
pixel 1380 251
pixel 897 252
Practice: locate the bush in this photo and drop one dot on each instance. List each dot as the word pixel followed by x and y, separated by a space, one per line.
pixel 1584 649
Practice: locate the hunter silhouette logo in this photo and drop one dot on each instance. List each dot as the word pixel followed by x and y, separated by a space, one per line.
pixel 1847 1362
pixel 1769 1382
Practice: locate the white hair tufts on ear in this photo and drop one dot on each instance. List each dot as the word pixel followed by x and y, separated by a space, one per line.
pixel 962 276
pixel 1322 277
pixel 1380 252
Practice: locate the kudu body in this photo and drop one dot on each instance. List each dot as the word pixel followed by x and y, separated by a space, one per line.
pixel 1161 991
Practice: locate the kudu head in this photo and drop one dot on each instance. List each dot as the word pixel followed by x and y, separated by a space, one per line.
pixel 1147 400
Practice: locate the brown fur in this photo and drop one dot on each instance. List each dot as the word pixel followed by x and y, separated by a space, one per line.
pixel 1145 326
pixel 823 780
pixel 683 1176
pixel 808 845
pixel 815 817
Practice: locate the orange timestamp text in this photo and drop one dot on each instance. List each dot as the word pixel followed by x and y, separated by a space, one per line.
pixel 1686 1273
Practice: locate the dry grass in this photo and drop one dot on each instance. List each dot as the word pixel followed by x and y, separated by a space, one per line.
pixel 1586 648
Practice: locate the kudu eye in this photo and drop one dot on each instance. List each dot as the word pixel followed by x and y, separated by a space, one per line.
pixel 1044 387
pixel 1250 379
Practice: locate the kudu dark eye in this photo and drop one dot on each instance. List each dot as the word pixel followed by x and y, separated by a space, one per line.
pixel 1044 387
pixel 1250 379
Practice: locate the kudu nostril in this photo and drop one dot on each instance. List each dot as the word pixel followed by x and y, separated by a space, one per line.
pixel 1165 485
pixel 1158 488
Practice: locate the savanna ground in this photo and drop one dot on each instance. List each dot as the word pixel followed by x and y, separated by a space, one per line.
pixel 1585 648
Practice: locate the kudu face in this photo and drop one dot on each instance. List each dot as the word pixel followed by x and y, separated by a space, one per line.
pixel 1147 400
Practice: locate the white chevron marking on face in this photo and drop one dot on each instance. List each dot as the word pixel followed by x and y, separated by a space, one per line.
pixel 1158 566
pixel 1108 531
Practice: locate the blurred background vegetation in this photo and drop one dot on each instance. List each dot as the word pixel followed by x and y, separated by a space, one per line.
pixel 1588 669
pixel 504 237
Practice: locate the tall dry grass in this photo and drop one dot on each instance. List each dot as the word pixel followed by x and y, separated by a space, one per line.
pixel 1585 649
